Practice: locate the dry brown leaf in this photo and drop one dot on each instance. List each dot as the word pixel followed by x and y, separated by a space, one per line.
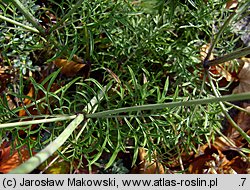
pixel 232 4
pixel 199 164
pixel 204 51
pixel 10 161
pixel 223 145
pixel 238 165
pixel 212 161
pixel 244 76
pixel 11 104
pixel 69 68
pixel 223 72
pixel 243 118
pixel 145 167
pixel 174 162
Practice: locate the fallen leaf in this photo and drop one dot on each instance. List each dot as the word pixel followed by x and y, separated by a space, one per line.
pixel 199 164
pixel 210 160
pixel 243 118
pixel 223 145
pixel 10 161
pixel 204 51
pixel 238 165
pixel 223 72
pixel 146 167
pixel 244 76
pixel 72 68
pixel 232 4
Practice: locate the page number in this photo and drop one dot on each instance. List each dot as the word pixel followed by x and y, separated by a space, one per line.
pixel 243 180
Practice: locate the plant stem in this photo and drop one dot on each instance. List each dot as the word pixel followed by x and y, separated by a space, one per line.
pixel 224 110
pixel 19 24
pixel 232 97
pixel 28 16
pixel 228 57
pixel 38 121
pixel 218 37
pixel 48 151
pixel 238 107
pixel 232 17
pixel 44 154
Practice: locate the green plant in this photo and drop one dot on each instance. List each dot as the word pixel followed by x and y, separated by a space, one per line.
pixel 149 95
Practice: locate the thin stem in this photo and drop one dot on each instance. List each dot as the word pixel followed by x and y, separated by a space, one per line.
pixel 38 121
pixel 232 97
pixel 44 154
pixel 232 17
pixel 224 110
pixel 19 24
pixel 33 117
pixel 228 57
pixel 218 37
pixel 230 142
pixel 238 107
pixel 55 159
pixel 49 150
pixel 28 16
